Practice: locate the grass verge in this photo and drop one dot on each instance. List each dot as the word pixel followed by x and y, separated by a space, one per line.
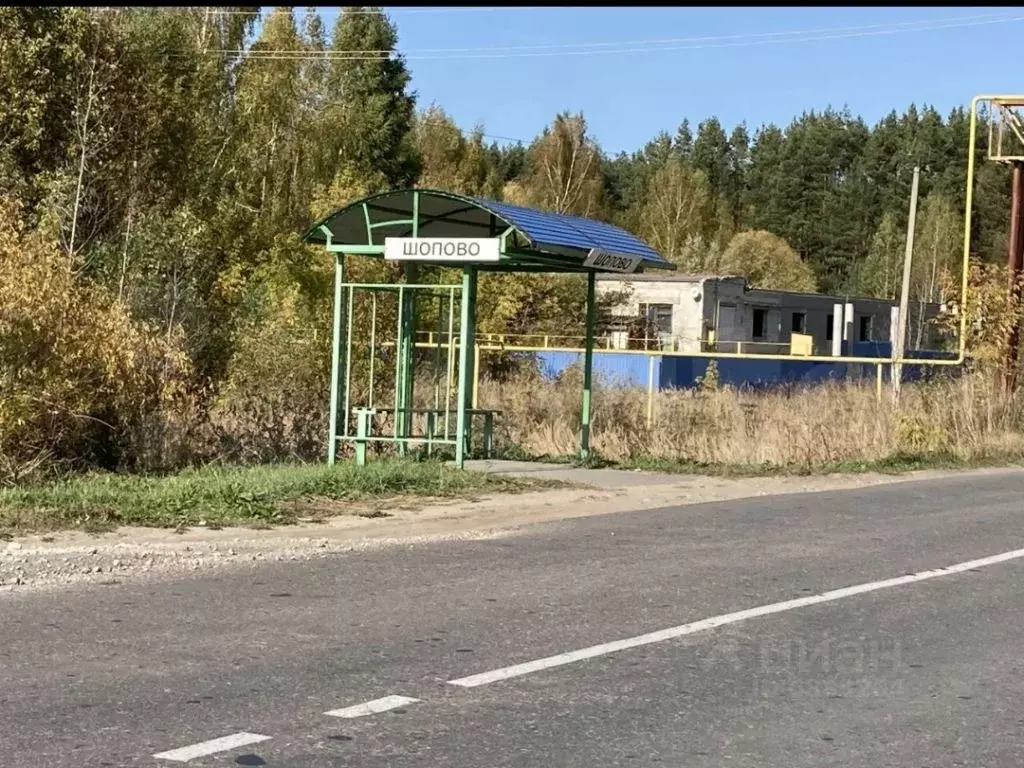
pixel 892 465
pixel 218 496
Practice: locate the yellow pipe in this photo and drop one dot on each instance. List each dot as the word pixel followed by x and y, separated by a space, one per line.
pixel 715 355
pixel 878 382
pixel 968 205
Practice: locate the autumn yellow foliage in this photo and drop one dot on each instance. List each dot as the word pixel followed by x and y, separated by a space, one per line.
pixel 77 376
pixel 768 261
pixel 992 309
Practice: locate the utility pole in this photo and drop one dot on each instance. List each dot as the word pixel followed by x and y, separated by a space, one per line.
pixel 900 339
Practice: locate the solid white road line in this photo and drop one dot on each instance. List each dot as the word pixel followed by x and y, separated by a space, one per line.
pixel 729 618
pixel 372 707
pixel 203 748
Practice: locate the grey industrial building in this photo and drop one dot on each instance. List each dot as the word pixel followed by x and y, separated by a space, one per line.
pixel 701 313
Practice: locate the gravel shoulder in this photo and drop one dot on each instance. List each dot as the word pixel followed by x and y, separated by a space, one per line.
pixel 64 559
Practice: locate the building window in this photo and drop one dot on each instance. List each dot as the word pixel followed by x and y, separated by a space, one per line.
pixel 799 322
pixel 658 316
pixel 760 324
pixel 864 330
pixel 828 328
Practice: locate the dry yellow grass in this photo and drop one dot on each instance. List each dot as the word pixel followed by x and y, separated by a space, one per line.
pixel 968 418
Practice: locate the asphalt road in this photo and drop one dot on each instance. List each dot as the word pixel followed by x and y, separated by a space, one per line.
pixel 923 672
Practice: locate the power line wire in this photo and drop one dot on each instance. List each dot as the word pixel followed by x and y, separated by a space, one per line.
pixel 331 10
pixel 503 138
pixel 646 46
pixel 883 28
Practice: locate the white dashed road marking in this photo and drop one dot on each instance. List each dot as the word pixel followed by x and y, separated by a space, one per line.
pixel 387 703
pixel 372 707
pixel 213 746
pixel 729 618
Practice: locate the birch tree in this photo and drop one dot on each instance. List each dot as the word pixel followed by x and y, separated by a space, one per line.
pixel 565 169
pixel 880 274
pixel 675 210
pixel 937 247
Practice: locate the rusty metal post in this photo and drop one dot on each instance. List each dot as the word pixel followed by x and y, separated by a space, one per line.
pixel 1015 266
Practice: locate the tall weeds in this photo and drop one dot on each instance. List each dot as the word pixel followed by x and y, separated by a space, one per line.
pixel 968 417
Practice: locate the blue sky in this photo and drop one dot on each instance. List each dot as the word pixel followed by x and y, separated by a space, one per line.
pixel 751 69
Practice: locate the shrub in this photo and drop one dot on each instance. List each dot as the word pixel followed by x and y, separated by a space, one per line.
pixel 79 379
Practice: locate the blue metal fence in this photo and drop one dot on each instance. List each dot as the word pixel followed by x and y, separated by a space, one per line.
pixel 609 367
pixel 682 371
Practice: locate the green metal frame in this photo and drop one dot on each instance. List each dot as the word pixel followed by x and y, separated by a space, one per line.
pixel 588 366
pixel 342 407
pixel 517 254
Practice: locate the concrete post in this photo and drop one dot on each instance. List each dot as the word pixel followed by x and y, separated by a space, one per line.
pixel 837 330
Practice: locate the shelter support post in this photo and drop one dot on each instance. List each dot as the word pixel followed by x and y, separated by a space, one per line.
pixel 406 362
pixel 467 356
pixel 332 438
pixel 463 394
pixel 475 397
pixel 471 341
pixel 1015 266
pixel 407 340
pixel 399 368
pixel 588 365
pixel 449 377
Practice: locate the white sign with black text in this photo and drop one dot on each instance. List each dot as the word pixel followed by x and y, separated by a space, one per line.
pixel 612 262
pixel 470 250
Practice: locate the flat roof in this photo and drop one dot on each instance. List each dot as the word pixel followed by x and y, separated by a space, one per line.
pixel 655 278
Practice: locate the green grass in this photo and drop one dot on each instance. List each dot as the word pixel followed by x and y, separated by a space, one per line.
pixel 892 465
pixel 218 496
pixel 279 495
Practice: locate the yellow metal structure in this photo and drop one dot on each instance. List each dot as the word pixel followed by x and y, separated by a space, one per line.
pixel 802 345
pixel 1006 134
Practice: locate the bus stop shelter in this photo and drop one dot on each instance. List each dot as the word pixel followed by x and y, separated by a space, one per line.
pixel 436 228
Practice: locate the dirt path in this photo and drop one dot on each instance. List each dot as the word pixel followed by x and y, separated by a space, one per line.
pixel 35 562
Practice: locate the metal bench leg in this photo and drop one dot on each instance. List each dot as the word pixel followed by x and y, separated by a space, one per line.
pixel 488 435
pixel 430 433
pixel 362 432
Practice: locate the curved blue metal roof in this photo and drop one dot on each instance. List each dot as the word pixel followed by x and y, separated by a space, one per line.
pixel 546 228
pixel 371 220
